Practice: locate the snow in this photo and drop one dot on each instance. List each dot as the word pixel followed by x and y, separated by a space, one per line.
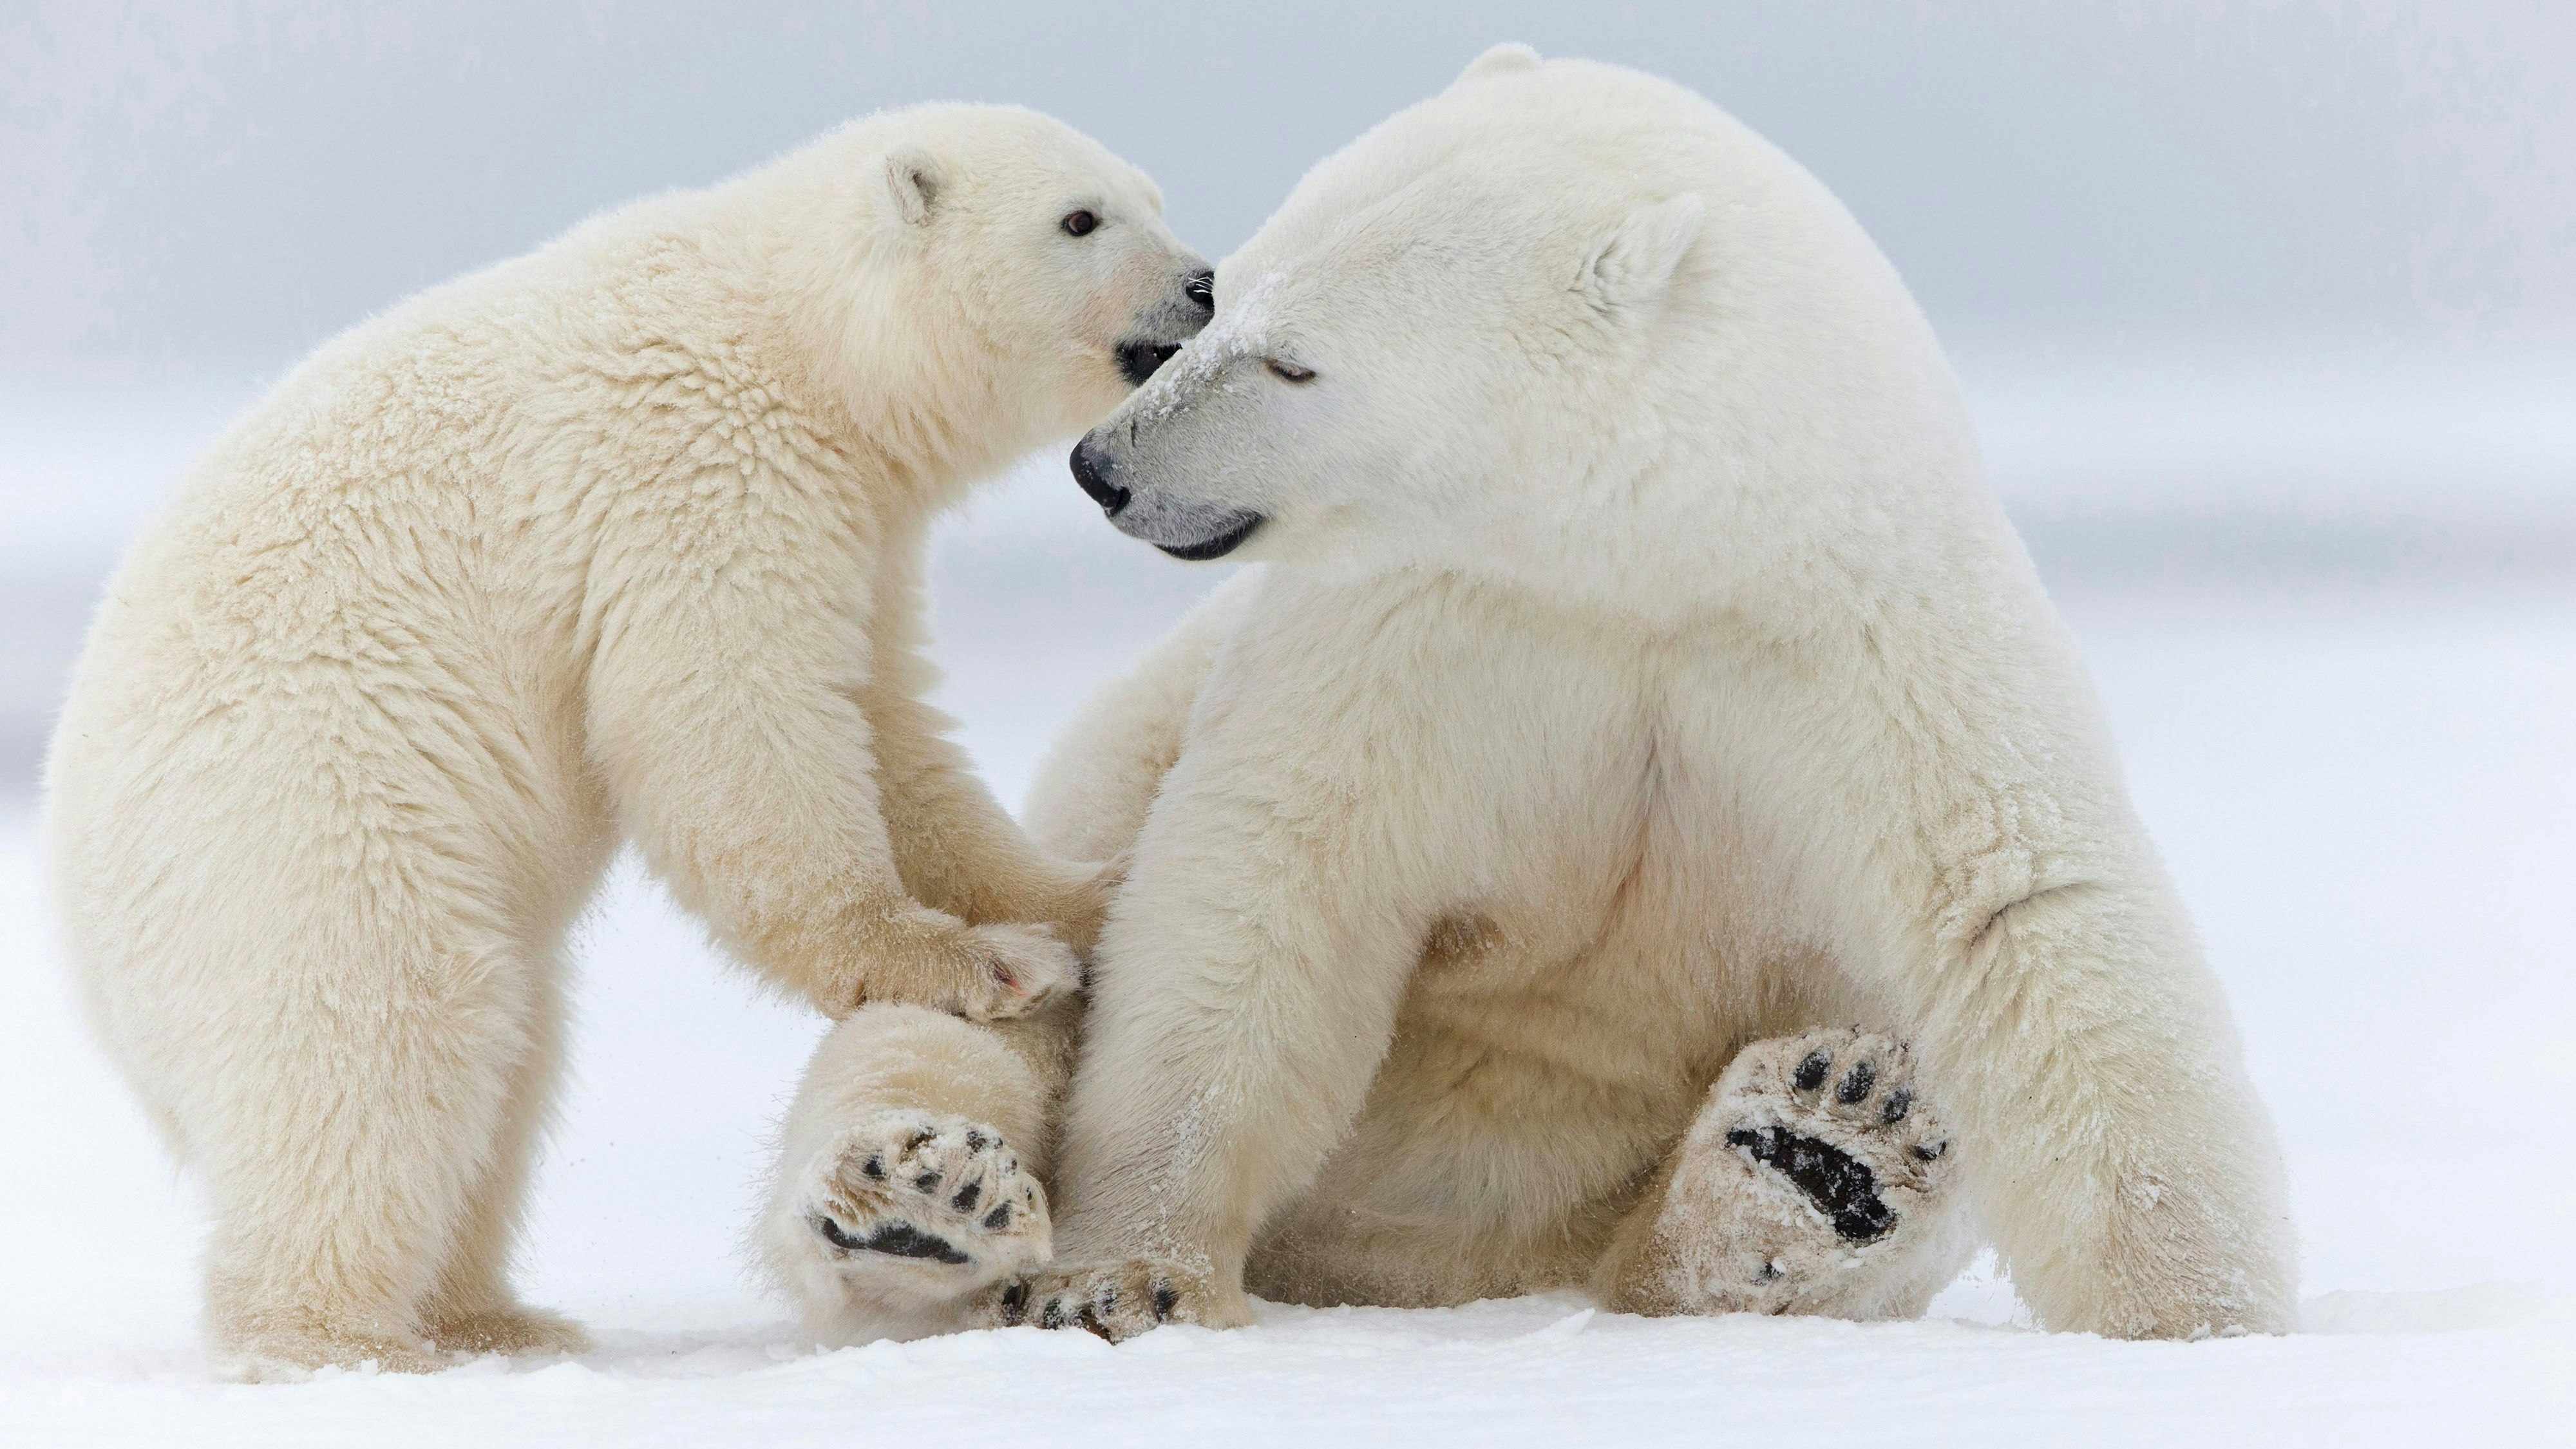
pixel 2355 757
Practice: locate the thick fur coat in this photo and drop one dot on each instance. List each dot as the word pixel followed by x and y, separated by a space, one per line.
pixel 1644 687
pixel 618 542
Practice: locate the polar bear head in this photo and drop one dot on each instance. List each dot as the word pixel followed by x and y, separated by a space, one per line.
pixel 985 266
pixel 1563 322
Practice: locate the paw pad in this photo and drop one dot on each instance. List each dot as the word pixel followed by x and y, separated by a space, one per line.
pixel 874 1202
pixel 1840 1185
pixel 1114 1301
pixel 1843 1142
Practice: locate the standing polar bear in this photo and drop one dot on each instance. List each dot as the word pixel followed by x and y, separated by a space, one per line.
pixel 1644 685
pixel 619 541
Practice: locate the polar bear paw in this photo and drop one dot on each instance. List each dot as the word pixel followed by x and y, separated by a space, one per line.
pixel 1015 970
pixel 916 1208
pixel 512 1329
pixel 1115 1300
pixel 1815 1180
pixel 1835 1117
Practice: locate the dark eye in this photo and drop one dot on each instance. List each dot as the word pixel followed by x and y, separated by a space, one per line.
pixel 1288 371
pixel 1079 223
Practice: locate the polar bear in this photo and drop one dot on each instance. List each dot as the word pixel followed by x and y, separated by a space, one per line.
pixel 1641 686
pixel 621 541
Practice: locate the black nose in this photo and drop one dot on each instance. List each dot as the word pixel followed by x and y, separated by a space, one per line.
pixel 1092 472
pixel 1201 288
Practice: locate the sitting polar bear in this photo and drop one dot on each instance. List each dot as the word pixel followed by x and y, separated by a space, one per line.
pixel 618 541
pixel 1644 685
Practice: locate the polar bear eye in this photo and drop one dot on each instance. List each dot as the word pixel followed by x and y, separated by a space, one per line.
pixel 1079 223
pixel 1288 371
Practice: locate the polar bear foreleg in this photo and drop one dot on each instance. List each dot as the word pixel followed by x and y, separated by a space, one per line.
pixel 2121 1159
pixel 957 849
pixel 724 721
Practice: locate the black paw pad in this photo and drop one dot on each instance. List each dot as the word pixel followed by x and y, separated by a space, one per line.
pixel 1811 1072
pixel 998 1219
pixel 1899 1102
pixel 874 1167
pixel 1165 1300
pixel 1840 1185
pixel 900 1240
pixel 927 1182
pixel 1856 1084
pixel 1931 1151
pixel 1015 1304
pixel 967 1197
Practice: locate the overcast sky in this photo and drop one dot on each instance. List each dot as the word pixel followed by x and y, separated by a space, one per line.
pixel 206 190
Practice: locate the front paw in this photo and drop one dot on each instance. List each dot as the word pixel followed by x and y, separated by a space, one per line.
pixel 1116 1300
pixel 1013 970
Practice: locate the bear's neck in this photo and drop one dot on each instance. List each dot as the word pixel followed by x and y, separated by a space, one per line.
pixel 892 366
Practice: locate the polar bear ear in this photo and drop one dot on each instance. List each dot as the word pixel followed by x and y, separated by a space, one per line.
pixel 1630 266
pixel 913 180
pixel 1509 58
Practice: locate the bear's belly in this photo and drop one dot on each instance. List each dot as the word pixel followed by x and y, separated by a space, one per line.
pixel 1526 1099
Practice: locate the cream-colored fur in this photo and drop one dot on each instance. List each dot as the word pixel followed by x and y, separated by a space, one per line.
pixel 620 541
pixel 1643 675
pixel 1709 1231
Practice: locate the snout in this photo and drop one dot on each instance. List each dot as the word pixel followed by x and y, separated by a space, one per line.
pixel 1186 528
pixel 1162 328
pixel 1091 470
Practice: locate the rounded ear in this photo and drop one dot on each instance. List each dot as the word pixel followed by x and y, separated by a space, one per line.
pixel 1629 267
pixel 913 180
pixel 1508 58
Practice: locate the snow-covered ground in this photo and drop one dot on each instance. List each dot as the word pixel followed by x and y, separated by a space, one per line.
pixel 2343 679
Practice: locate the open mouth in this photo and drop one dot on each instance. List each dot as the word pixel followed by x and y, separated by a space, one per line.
pixel 1216 547
pixel 1139 360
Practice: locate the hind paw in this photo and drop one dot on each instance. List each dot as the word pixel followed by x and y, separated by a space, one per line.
pixel 924 1206
pixel 1816 1179
pixel 512 1329
pixel 1835 1118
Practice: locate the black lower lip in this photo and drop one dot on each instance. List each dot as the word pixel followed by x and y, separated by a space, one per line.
pixel 1141 360
pixel 1217 547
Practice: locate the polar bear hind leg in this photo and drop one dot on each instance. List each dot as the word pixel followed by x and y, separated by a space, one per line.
pixel 385 1126
pixel 907 1189
pixel 471 1308
pixel 909 1174
pixel 1817 1179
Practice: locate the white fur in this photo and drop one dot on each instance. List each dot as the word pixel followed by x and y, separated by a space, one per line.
pixel 1644 668
pixel 618 541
